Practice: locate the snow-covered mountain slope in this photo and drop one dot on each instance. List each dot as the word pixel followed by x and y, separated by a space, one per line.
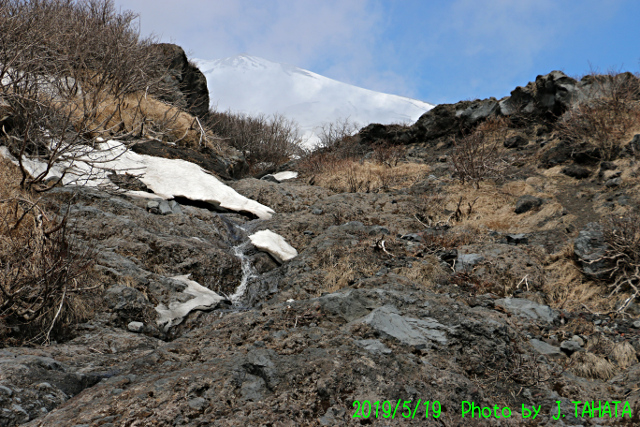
pixel 253 85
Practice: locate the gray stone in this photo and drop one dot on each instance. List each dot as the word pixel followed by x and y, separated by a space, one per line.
pixel 478 111
pixel 526 203
pixel 577 339
pixel 418 333
pixel 467 261
pixel 135 326
pixel 529 309
pixel 317 211
pixel 570 347
pixel 253 388
pixel 374 346
pixel 636 324
pixel 164 208
pixel 590 246
pixel 197 403
pixel 546 349
pixel 175 207
pixel 153 204
pixel 552 93
pixel 614 182
pixel 333 417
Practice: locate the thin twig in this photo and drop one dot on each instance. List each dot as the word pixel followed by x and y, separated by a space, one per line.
pixel 64 292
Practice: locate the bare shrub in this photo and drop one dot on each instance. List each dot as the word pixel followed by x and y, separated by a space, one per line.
pixel 69 71
pixel 474 159
pixel 388 154
pixel 332 134
pixel 43 272
pixel 607 116
pixel 266 142
pixel 622 236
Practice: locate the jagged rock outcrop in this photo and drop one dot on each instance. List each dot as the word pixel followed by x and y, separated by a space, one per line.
pixel 543 100
pixel 187 81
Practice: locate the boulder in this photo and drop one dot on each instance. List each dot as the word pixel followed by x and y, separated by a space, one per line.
pixel 418 333
pixel 528 309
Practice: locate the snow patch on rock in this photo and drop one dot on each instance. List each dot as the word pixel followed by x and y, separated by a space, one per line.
pixel 283 176
pixel 274 244
pixel 204 299
pixel 167 178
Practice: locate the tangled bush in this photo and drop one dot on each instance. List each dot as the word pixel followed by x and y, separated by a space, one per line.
pixel 622 237
pixel 266 142
pixel 43 273
pixel 475 159
pixel 71 70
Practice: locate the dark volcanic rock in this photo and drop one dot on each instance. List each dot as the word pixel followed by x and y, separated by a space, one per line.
pixel 550 95
pixel 576 171
pixel 189 84
pixel 226 167
pixel 526 203
pixel 634 146
pixel 515 141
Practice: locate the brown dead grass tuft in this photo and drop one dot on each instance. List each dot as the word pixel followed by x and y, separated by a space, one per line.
pixel 623 354
pixel 588 365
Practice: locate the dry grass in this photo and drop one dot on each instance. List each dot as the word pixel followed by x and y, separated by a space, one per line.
pixel 427 273
pixel 146 117
pixel 340 273
pixel 348 176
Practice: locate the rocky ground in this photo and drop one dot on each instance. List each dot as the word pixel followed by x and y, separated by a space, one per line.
pixel 490 291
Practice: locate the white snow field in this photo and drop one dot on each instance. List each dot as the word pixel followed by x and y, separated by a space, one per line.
pixel 252 85
pixel 167 178
pixel 205 299
pixel 274 244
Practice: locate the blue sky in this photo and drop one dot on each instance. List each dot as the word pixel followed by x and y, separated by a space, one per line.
pixel 436 51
